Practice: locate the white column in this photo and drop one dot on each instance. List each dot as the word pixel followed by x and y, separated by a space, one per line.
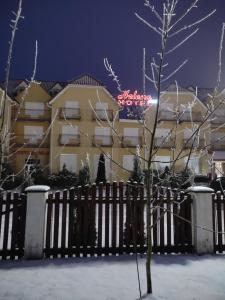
pixel 202 219
pixel 35 221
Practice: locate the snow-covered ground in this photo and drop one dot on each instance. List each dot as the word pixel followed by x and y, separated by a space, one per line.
pixel 175 277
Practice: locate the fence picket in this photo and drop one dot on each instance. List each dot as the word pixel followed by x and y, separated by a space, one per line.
pixel 114 217
pixel 15 229
pixel 85 224
pixel 121 217
pixel 168 218
pixel 100 197
pixel 22 222
pixel 56 224
pixel 127 232
pixel 175 222
pixel 161 221
pixel 63 222
pixel 71 221
pixel 107 198
pixel 48 226
pixel 6 225
pixel 154 213
pixel 92 220
pixel 219 222
pixel 140 219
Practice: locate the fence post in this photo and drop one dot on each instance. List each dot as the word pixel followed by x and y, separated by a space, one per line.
pixel 35 221
pixel 203 218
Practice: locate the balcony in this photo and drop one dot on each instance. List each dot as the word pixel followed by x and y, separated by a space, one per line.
pixel 181 116
pixel 218 120
pixel 102 140
pixel 218 142
pixel 30 141
pixel 102 114
pixel 71 140
pixel 190 117
pixel 163 143
pixel 31 114
pixel 131 141
pixel 69 113
pixel 198 143
pixel 165 115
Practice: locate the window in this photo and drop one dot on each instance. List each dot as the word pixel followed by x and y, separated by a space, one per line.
pixel 30 164
pixel 101 110
pixel 187 135
pixel 162 137
pixel 33 134
pixel 34 109
pixel 193 163
pixel 166 110
pixel 161 162
pixel 131 136
pixel 128 162
pixel 103 134
pixel 68 132
pixel 72 109
pixel 70 161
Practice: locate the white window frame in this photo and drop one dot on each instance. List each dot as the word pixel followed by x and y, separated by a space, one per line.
pixel 70 160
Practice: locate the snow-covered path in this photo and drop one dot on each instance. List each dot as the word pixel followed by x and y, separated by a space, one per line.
pixel 113 278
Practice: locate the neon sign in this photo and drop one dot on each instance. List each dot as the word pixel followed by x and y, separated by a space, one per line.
pixel 135 99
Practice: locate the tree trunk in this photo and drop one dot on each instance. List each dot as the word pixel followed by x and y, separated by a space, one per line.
pixel 149 236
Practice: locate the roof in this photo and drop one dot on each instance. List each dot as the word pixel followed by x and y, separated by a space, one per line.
pixel 86 80
pixel 173 87
pixel 202 93
pixel 12 84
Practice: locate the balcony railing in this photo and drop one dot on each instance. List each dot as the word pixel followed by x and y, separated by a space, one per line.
pixel 217 143
pixel 69 113
pixel 218 120
pixel 30 141
pixel 31 114
pixel 131 141
pixel 182 117
pixel 69 140
pixel 165 115
pixel 102 140
pixel 102 114
pixel 163 143
pixel 198 143
pixel 188 117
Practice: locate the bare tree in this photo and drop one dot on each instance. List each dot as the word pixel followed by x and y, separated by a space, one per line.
pixel 167 26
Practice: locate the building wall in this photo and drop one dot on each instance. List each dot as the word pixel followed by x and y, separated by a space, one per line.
pixel 174 117
pixel 123 132
pixel 33 145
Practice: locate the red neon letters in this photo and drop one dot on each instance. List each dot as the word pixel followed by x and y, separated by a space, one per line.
pixel 135 99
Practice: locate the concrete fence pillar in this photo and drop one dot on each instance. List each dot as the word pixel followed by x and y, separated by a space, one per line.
pixel 35 221
pixel 202 217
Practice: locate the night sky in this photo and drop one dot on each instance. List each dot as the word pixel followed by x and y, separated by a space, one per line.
pixel 75 35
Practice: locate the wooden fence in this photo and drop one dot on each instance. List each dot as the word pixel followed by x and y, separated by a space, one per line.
pixel 12 225
pixel 107 220
pixel 112 220
pixel 219 222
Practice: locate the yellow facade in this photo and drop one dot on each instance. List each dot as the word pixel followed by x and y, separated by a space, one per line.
pixel 85 130
pixel 30 121
pixel 180 114
pixel 5 120
pixel 66 122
